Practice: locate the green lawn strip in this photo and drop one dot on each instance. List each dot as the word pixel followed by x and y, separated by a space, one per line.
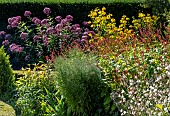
pixel 6 110
pixel 71 1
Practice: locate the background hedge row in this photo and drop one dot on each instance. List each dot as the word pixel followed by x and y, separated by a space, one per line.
pixel 79 11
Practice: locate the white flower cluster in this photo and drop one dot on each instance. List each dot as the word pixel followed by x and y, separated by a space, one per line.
pixel 143 95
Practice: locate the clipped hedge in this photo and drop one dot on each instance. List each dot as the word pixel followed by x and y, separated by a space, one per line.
pixel 79 11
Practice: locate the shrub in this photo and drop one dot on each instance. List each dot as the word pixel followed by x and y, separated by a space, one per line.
pixel 80 82
pixel 6 73
pixel 38 93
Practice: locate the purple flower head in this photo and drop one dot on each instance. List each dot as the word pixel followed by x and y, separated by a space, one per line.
pixel 84 37
pixel 56 33
pixel 10 20
pixel 78 29
pixel 23 35
pixel 91 32
pixel 85 23
pixel 83 40
pixel 14 21
pixel 34 18
pixel 35 38
pixel 58 19
pixel 14 24
pixel 15 48
pixel 68 28
pixel 18 18
pixel 19 49
pixel 27 14
pixel 66 36
pixel 50 30
pixel 86 29
pixel 59 27
pixel 37 21
pixel 8 36
pixel 2 32
pixel 75 26
pixel 44 22
pixel 47 11
pixel 5 42
pixel 85 34
pixel 45 40
pixel 69 18
pixel 9 27
pixel 64 21
pixel 27 58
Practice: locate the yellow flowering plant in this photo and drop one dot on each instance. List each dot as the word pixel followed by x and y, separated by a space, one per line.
pixel 105 25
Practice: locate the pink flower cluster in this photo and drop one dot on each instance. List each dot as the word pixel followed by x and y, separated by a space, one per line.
pixel 16 48
pixel 13 22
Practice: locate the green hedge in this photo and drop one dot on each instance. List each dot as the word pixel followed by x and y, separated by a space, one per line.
pixel 79 11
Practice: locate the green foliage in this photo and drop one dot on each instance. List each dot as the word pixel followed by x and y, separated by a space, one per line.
pixel 80 82
pixel 37 93
pixel 6 73
pixel 70 1
pixel 158 6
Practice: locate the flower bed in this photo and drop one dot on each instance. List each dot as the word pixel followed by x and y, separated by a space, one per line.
pixel 103 68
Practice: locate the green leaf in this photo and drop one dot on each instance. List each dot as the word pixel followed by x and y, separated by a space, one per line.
pixel 107 100
pixel 113 107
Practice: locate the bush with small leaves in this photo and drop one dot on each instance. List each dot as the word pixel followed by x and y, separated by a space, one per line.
pixel 80 82
pixel 6 72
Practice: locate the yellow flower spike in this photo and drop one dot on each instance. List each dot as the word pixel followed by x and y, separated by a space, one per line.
pixel 121 21
pixel 124 16
pixel 113 20
pixel 129 31
pixel 127 19
pixel 100 12
pixel 96 9
pixel 109 25
pixel 134 21
pixel 103 13
pixel 112 36
pixel 120 32
pixel 130 26
pixel 110 32
pixel 103 8
pixel 149 18
pixel 121 25
pixel 148 15
pixel 89 22
pixel 119 29
pixel 155 18
pixel 124 22
pixel 108 16
pixel 140 15
pixel 90 35
pixel 92 26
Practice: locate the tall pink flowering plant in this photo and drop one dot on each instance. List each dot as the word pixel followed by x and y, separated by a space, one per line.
pixel 36 38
